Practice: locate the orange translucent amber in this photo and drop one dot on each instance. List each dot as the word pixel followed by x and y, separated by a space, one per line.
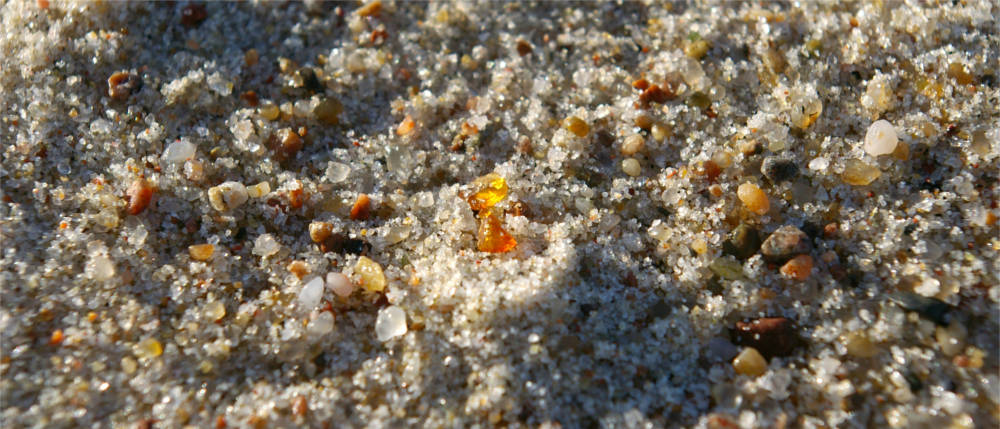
pixel 491 190
pixel 492 237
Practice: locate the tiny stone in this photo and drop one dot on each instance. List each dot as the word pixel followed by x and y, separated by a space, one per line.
pixel 214 310
pixel 931 308
pixel 148 348
pixel 778 169
pixel 372 278
pixel 391 323
pixel 259 190
pixel 798 267
pixel 859 173
pixel 250 57
pixel 179 151
pixel 784 243
pixel 265 245
pixel 397 233
pixel 201 252
pixel 753 198
pixel 859 345
pixel 750 362
pixel 227 196
pixel 194 170
pixel 129 365
pixel 771 336
pixel 406 127
pixel 100 267
pixel 337 172
pixel 643 121
pixel 696 49
pixel 660 132
pixel 631 167
pixel 321 325
pixel 139 195
pixel 123 84
pixel 320 231
pixel 362 208
pixel 311 294
pixel 743 242
pixel 268 110
pixel 289 143
pixel 951 338
pixel 328 111
pixel 576 126
pixel 632 144
pixel 299 268
pixel 727 268
pixel 881 138
pixel 339 284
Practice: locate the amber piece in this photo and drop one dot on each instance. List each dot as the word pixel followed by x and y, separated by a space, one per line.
pixel 492 189
pixel 406 127
pixel 57 337
pixel 139 196
pixel 289 143
pixel 492 237
pixel 656 94
pixel 201 252
pixel 123 84
pixel 640 84
pixel 371 8
pixel 577 126
pixel 362 208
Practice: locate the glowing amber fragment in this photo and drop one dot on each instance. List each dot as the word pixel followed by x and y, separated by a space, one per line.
pixel 492 237
pixel 491 190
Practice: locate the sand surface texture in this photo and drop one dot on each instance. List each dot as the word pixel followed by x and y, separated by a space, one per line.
pixel 393 214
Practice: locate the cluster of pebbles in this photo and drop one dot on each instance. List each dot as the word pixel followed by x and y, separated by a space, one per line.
pixel 385 214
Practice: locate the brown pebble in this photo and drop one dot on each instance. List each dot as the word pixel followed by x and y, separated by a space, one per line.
pixel 139 195
pixel 251 98
pixel 656 94
pixel 201 252
pixel 830 230
pixel 640 84
pixel 123 84
pixel 193 14
pixel 798 268
pixel 300 406
pixel 371 8
pixel 362 208
pixel 784 243
pixel 299 268
pixel 771 336
pixel 289 143
pixel 523 48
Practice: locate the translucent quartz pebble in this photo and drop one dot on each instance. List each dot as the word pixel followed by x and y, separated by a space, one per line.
pixel 399 160
pixel 397 233
pixel 491 189
pixel 881 138
pixel 337 172
pixel 859 173
pixel 492 238
pixel 227 196
pixel 311 293
pixel 391 323
pixel 339 284
pixel 100 267
pixel 265 245
pixel 179 151
pixel 322 324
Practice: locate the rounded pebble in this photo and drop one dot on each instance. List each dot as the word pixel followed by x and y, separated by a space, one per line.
pixel 391 323
pixel 339 284
pixel 881 138
pixel 753 198
pixel 311 293
pixel 631 167
pixel 227 196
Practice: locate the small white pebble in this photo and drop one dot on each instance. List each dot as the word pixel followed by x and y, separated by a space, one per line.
pixel 179 151
pixel 339 284
pixel 391 323
pixel 881 138
pixel 227 196
pixel 100 267
pixel 631 167
pixel 265 245
pixel 321 325
pixel 311 293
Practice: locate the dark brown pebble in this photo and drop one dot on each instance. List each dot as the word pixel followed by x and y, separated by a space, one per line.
pixel 771 336
pixel 123 84
pixel 362 208
pixel 193 14
pixel 743 242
